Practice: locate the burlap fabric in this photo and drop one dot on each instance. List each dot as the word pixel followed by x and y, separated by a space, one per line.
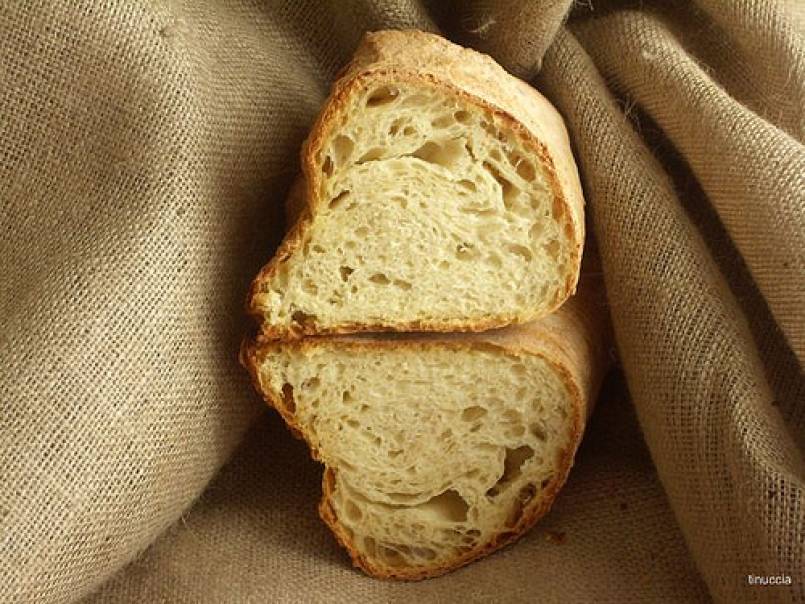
pixel 145 149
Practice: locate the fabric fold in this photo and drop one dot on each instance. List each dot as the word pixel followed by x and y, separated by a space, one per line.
pixel 145 150
pixel 752 172
pixel 706 410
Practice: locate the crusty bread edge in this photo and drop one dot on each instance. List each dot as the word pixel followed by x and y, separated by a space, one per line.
pixel 251 354
pixel 321 130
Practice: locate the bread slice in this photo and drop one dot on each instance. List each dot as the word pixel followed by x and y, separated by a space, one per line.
pixel 438 449
pixel 439 194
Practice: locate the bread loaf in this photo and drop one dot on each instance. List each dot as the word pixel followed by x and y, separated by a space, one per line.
pixel 438 448
pixel 439 194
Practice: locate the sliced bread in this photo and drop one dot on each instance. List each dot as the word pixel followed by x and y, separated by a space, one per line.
pixel 441 448
pixel 439 194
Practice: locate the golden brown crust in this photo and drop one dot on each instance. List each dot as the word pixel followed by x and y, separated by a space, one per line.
pixel 572 341
pixel 423 58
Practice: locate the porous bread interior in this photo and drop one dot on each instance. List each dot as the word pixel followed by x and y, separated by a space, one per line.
pixel 436 451
pixel 430 209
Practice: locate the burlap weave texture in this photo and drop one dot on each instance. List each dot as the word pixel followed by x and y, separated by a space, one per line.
pixel 145 150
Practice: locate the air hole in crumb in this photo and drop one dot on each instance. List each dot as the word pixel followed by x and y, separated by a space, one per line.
pixel 318 249
pixel 423 553
pixel 302 319
pixel 309 287
pixel 394 129
pixel 552 249
pixel 536 230
pixel 287 398
pixel 442 122
pixel 516 514
pixel 512 416
pixel 448 506
pixel 342 148
pixel 509 191
pixel 392 557
pixel 409 130
pixel 371 155
pixel 353 423
pixel 522 251
pixel 465 251
pixel 370 546
pixel 311 383
pixel 480 212
pixel 538 431
pixel 346 397
pixel 512 462
pixel 527 493
pixel 468 184
pixel 379 279
pixel 327 166
pixel 525 169
pixel 362 231
pixel 382 96
pixel 441 155
pixel 346 271
pixel 395 453
pixel 462 116
pixel 404 285
pixel 444 264
pixel 335 201
pixel 495 154
pixel 470 414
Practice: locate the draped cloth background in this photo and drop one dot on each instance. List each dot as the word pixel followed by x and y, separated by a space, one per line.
pixel 145 150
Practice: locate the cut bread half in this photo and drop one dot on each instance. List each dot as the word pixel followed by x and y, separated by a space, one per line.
pixel 439 194
pixel 438 449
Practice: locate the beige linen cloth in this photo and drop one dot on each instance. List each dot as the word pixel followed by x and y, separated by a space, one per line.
pixel 146 147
